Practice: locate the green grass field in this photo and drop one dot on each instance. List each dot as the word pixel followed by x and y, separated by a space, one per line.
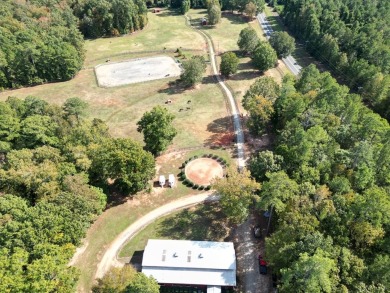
pixel 121 107
pixel 166 29
pixel 205 222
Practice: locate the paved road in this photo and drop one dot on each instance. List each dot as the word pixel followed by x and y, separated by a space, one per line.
pixel 290 61
pixel 235 112
pixel 110 256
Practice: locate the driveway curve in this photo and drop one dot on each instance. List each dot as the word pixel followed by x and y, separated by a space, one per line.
pixel 233 106
pixel 110 256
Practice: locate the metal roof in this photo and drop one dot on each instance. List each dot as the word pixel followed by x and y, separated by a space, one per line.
pixel 190 262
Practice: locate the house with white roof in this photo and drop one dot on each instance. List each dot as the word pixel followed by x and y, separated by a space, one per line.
pixel 200 264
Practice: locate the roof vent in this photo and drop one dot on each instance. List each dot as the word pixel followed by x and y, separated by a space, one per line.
pixel 189 256
pixel 200 255
pixel 164 255
pixel 175 254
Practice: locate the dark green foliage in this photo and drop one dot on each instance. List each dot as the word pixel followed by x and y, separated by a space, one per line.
pixel 351 37
pixel 229 63
pixel 248 40
pixel 157 128
pixel 45 168
pixel 324 183
pixel 110 18
pixel 123 161
pixel 264 56
pixel 38 44
pixel 193 71
pixel 282 43
pixel 185 6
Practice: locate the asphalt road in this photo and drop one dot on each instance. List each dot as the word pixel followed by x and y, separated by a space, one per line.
pixel 290 61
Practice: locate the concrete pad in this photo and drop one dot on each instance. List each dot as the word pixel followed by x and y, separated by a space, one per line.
pixel 136 70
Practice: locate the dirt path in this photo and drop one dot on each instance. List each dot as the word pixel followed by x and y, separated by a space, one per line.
pixel 110 256
pixel 239 133
pixel 247 250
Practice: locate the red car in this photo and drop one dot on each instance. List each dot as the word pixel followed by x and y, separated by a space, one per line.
pixel 262 265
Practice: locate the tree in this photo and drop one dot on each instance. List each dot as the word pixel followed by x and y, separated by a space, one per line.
pixel 143 284
pixel 250 10
pixel 123 161
pixel 157 129
pixel 264 86
pixel 264 56
pixel 115 280
pixel 193 71
pixel 277 191
pixel 229 63
pixel 185 6
pixel 283 43
pixel 263 162
pixel 237 191
pixel 37 131
pixel 74 107
pixel 248 40
pixel 310 274
pixel 214 14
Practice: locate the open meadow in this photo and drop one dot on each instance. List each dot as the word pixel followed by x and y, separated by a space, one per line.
pixel 121 107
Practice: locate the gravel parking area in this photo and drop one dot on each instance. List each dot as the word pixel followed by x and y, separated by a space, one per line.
pixel 136 70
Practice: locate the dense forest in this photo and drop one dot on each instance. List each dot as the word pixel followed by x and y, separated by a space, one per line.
pixel 42 41
pixel 54 167
pixel 327 182
pixel 352 37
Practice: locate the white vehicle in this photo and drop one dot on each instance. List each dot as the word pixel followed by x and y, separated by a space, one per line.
pixel 171 180
pixel 162 180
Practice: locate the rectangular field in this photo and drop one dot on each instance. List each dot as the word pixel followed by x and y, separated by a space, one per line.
pixel 136 70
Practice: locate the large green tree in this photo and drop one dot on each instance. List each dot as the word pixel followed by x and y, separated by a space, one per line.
pixel 264 56
pixel 193 71
pixel 157 128
pixel 237 192
pixel 283 43
pixel 248 40
pixel 124 162
pixel 229 63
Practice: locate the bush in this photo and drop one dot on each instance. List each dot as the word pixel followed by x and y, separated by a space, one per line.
pixel 201 187
pixel 215 157
pixel 195 186
pixel 208 187
pixel 190 184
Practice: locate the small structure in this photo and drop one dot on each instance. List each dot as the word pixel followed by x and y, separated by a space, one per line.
pixel 205 265
pixel 162 180
pixel 171 180
pixel 203 21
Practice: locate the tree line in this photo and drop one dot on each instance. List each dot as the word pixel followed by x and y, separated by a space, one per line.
pixel 42 41
pixel 55 170
pixel 352 38
pixel 325 184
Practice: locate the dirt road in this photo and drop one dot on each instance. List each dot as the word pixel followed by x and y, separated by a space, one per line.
pixel 110 256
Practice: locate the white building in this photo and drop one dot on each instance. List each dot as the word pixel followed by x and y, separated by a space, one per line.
pixel 194 263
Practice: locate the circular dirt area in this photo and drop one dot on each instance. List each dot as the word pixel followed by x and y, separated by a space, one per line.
pixel 201 171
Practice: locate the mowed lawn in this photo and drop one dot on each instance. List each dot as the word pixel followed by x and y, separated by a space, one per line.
pixel 166 29
pixel 121 107
pixel 225 36
pixel 202 223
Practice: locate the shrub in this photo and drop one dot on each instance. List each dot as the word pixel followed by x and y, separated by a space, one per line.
pixel 201 187
pixel 208 187
pixel 195 186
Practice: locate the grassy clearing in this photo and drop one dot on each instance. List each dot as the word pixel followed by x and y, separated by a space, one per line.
pixel 115 219
pixel 165 29
pixel 206 222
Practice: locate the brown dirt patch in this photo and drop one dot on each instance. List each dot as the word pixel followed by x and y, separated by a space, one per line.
pixel 201 171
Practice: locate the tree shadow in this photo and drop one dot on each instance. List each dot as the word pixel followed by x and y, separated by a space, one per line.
pixel 210 79
pixel 174 87
pixel 245 75
pixel 235 18
pixel 167 12
pixel 222 132
pixel 205 223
